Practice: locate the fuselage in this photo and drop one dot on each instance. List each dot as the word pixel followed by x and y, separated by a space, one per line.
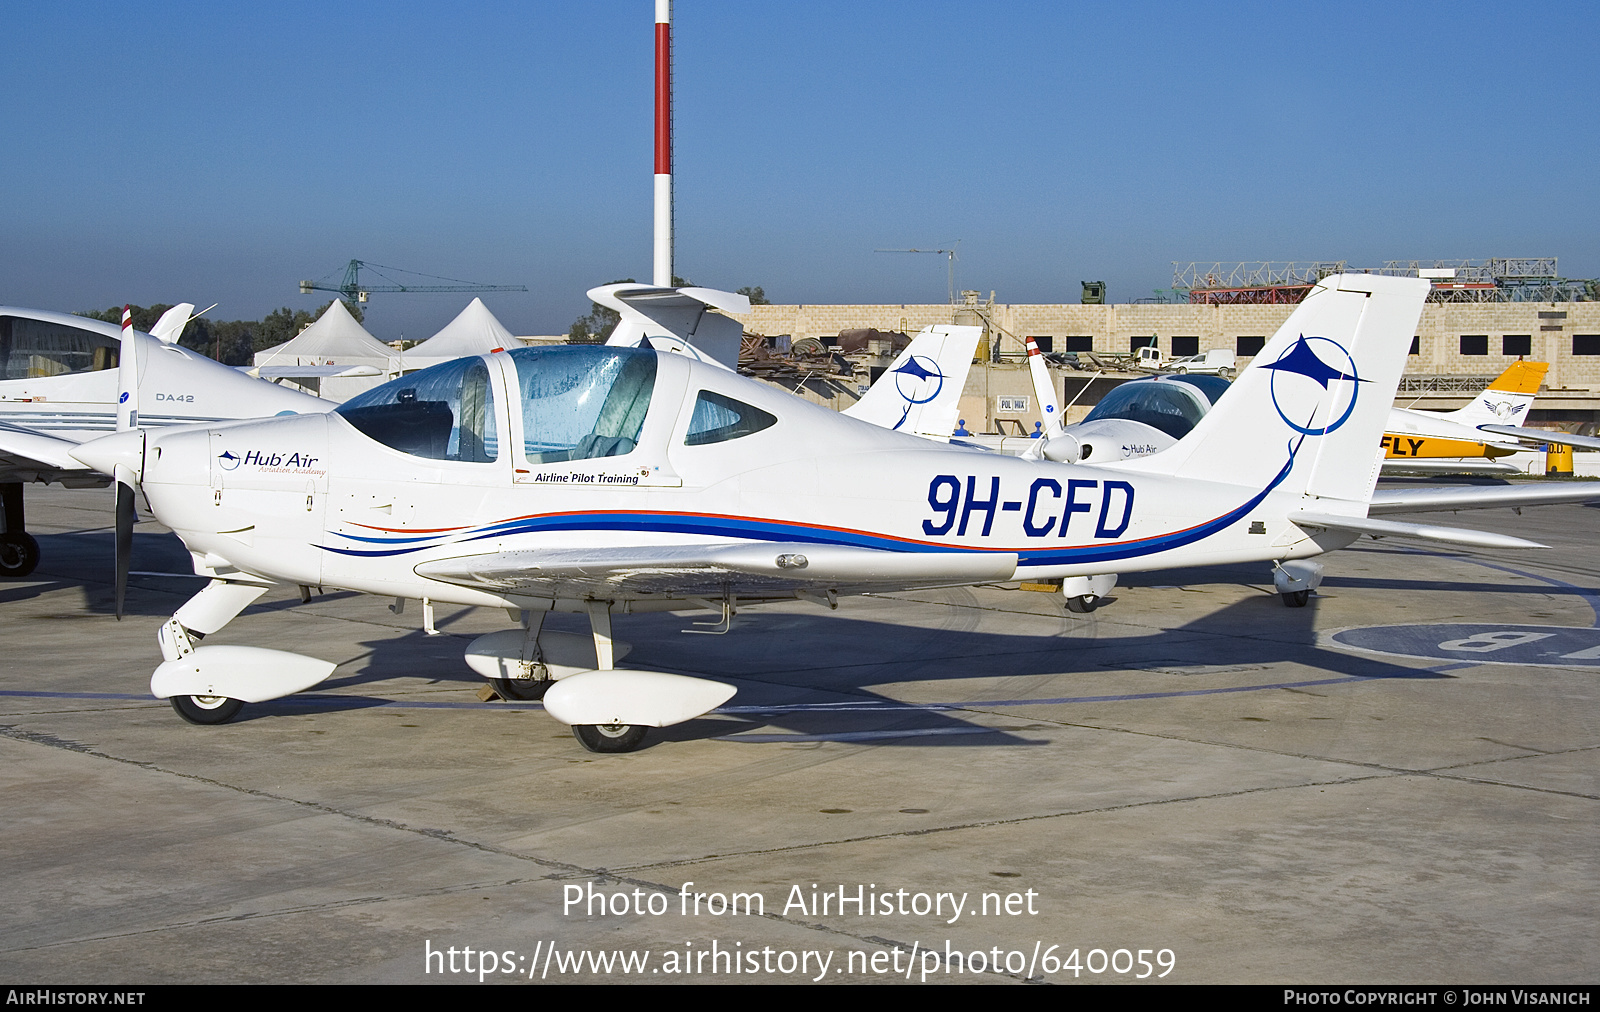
pixel 359 498
pixel 58 375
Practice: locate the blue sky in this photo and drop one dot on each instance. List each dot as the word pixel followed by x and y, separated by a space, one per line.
pixel 216 152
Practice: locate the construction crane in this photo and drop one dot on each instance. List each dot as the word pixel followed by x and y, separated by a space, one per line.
pixel 948 254
pixel 353 289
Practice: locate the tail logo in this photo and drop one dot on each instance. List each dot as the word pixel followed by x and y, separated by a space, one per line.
pixel 919 380
pixel 1307 362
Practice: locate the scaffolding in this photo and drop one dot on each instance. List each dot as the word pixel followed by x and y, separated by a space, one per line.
pixel 1495 279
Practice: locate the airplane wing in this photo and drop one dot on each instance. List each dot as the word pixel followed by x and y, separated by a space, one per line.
pixel 1481 497
pixel 1415 467
pixel 746 569
pixel 26 455
pixel 1541 436
pixel 1420 532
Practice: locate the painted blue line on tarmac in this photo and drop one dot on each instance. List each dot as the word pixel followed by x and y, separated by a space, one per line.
pixel 375 702
pixel 921 732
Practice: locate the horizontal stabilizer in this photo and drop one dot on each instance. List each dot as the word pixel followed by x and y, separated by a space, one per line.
pixel 1398 466
pixel 1480 497
pixel 1541 436
pixel 1421 532
pixel 272 372
pixel 170 327
pixel 676 319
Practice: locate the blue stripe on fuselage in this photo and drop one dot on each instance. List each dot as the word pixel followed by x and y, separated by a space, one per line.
pixel 745 529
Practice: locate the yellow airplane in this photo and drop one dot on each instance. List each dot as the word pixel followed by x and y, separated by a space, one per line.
pixel 1435 435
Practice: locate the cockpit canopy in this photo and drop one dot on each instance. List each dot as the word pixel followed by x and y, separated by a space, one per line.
pixel 1173 405
pixel 577 403
pixel 32 348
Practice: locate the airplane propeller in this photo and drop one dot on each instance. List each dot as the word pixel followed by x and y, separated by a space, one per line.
pixel 127 516
pixel 125 479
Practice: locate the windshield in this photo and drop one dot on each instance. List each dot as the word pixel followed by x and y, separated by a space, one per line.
pixel 582 401
pixel 442 413
pixel 1174 408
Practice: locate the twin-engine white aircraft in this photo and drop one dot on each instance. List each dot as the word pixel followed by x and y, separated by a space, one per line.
pixel 65 379
pixel 608 480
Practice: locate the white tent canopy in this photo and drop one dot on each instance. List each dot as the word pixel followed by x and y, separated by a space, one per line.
pixel 474 331
pixel 335 339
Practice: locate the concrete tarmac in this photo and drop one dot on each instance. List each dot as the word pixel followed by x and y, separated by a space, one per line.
pixel 1193 783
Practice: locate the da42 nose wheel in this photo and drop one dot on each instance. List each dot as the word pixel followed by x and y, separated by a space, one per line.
pixel 19 554
pixel 609 737
pixel 207 709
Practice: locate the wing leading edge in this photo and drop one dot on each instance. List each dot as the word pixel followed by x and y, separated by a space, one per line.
pixel 747 569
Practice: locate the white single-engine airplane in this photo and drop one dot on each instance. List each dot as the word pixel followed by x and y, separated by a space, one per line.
pixel 606 480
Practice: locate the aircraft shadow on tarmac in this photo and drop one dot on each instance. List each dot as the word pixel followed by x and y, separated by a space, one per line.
pixel 771 655
pixel 786 694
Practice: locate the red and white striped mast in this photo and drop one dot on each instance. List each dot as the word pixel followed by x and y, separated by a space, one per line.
pixel 663 233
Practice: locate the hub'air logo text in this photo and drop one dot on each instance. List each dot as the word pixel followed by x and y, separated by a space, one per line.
pixel 271 460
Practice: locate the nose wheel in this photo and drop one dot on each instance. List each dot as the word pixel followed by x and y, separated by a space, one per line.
pixel 610 737
pixel 207 709
pixel 1083 604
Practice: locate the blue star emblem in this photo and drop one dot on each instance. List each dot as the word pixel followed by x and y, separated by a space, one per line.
pixel 918 370
pixel 1302 360
pixel 1305 362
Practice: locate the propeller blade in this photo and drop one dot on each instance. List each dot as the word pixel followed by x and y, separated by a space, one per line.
pixel 127 375
pixel 127 516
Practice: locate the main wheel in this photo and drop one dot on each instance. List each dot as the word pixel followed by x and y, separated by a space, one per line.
pixel 1296 598
pixel 207 709
pixel 525 689
pixel 610 737
pixel 1083 604
pixel 19 553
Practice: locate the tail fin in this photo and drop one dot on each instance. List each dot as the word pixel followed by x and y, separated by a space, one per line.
pixel 676 319
pixel 920 392
pixel 1508 399
pixel 170 327
pixel 1308 413
pixel 1044 390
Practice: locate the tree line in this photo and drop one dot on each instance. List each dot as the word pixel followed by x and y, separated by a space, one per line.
pixel 231 342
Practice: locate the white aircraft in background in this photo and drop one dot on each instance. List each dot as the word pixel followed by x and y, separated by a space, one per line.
pixel 920 392
pixel 1464 439
pixel 66 379
pixel 610 480
pixel 1144 417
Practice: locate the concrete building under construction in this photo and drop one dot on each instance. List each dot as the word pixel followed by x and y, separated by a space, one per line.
pixel 1472 327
